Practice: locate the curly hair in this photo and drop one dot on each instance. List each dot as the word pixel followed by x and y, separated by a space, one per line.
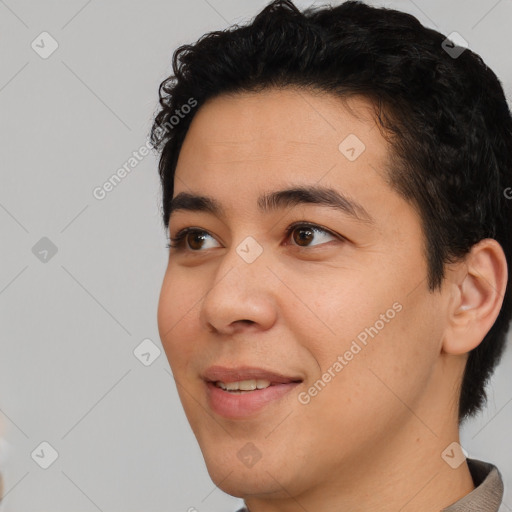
pixel 445 118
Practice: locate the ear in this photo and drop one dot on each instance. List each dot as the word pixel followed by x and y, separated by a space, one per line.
pixel 478 287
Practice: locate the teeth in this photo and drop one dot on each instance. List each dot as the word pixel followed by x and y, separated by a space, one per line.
pixel 244 385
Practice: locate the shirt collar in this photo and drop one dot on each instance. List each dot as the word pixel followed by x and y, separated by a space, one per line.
pixel 488 492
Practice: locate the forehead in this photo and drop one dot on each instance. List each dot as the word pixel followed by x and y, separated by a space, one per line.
pixel 302 127
pixel 247 151
pixel 239 146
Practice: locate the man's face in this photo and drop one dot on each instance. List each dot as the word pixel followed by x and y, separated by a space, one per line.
pixel 341 302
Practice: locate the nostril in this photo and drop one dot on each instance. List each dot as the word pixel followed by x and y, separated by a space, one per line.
pixel 242 322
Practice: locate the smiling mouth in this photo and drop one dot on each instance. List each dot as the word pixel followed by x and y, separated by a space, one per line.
pixel 246 386
pixel 242 392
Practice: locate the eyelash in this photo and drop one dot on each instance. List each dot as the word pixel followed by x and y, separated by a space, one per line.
pixel 178 241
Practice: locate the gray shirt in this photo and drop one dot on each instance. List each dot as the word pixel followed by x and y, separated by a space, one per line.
pixel 487 495
pixel 488 492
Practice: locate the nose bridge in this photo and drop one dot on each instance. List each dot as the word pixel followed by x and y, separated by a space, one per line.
pixel 242 288
pixel 244 262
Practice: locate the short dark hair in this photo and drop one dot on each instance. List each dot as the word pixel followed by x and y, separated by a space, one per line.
pixel 446 120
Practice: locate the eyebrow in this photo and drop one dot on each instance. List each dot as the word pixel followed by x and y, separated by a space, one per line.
pixel 277 200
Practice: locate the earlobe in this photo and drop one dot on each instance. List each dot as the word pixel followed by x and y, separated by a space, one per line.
pixel 480 292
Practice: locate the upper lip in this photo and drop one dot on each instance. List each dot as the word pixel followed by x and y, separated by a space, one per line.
pixel 239 373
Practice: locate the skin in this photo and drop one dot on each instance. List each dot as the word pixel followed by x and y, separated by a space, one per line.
pixel 372 439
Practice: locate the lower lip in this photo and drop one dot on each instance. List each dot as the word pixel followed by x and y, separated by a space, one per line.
pixel 240 405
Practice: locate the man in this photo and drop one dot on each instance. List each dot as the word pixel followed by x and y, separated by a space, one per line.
pixel 335 189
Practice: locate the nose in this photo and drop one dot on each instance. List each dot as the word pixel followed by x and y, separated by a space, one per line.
pixel 241 296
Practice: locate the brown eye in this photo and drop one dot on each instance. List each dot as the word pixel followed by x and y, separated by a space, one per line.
pixel 304 234
pixel 190 239
pixel 195 239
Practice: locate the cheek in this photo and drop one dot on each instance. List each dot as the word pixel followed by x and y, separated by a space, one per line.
pixel 177 306
pixel 339 305
pixel 384 365
pixel 373 340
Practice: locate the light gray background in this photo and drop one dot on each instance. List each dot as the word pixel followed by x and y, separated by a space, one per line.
pixel 68 374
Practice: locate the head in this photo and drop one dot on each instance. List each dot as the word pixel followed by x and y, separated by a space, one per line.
pixel 399 158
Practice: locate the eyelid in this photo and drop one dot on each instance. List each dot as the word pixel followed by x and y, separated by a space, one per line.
pixel 179 239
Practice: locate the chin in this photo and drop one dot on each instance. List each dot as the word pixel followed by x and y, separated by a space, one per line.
pixel 245 482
